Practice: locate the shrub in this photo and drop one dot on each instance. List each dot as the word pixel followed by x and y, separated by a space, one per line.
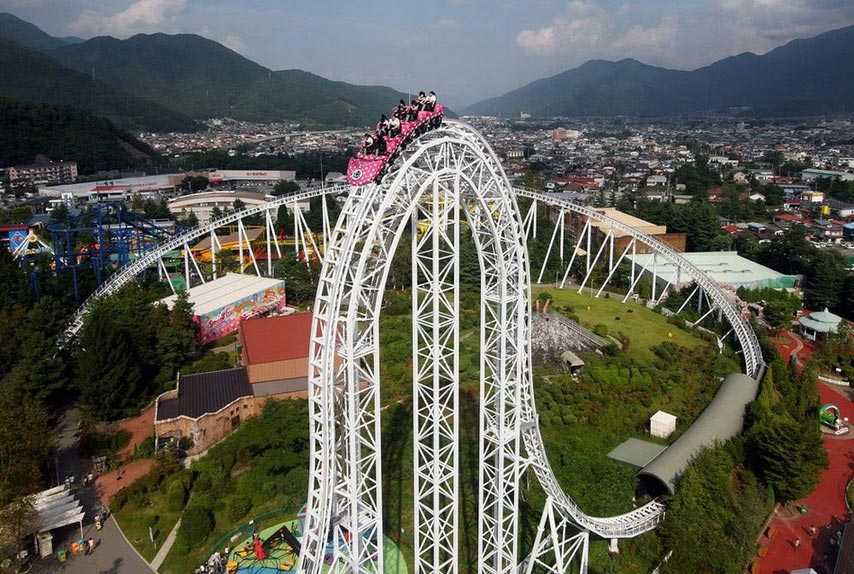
pixel 239 507
pixel 197 523
pixel 145 449
pixel 103 444
pixel 601 330
pixel 176 497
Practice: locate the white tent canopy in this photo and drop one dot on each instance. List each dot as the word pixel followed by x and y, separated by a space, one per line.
pixel 55 508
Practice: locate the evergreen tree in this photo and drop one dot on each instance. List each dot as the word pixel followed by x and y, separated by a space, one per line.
pixel 109 375
pixel 783 439
pixel 826 279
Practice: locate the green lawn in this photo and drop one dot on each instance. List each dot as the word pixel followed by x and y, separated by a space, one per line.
pixel 134 522
pixel 644 327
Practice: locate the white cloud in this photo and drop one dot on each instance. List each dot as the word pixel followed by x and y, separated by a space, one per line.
pixel 141 16
pixel 582 23
pixel 234 42
pixel 661 36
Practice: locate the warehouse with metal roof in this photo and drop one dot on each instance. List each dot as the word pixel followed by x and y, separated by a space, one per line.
pixel 727 268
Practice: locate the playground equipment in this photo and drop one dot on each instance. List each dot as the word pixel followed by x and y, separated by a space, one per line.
pixel 830 417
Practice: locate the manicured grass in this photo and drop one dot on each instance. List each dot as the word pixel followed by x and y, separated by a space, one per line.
pixel 134 522
pixel 644 328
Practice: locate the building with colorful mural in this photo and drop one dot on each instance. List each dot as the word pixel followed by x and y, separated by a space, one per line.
pixel 220 305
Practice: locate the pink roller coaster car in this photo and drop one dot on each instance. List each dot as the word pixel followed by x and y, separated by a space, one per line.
pixel 365 168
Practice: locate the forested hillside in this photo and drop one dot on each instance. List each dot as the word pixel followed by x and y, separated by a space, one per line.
pixel 65 133
pixel 26 75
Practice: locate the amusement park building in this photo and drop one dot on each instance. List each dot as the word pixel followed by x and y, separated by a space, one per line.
pixel 220 305
pixel 819 325
pixel 727 268
pixel 118 189
pixel 206 407
pixel 622 239
pixel 203 203
pixel 274 351
pixel 250 178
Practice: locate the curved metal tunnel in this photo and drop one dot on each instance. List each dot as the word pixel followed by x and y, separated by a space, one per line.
pixel 721 420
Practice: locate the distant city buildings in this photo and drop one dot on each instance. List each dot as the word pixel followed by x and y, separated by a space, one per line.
pixel 43 172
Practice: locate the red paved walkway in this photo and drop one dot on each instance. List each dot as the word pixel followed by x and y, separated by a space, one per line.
pixel 826 506
pixel 789 343
pixel 107 485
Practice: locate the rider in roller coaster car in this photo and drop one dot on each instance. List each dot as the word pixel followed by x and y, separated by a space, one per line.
pixel 430 102
pixel 369 145
pixel 394 126
pixel 383 126
pixel 399 110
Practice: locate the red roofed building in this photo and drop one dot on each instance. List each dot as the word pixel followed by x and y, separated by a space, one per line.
pixel 206 407
pixel 275 349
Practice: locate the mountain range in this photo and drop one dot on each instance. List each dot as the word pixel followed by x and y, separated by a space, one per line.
pixel 66 133
pixel 31 76
pixel 203 79
pixel 161 82
pixel 804 77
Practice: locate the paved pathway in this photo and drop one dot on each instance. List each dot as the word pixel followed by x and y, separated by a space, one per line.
pixel 167 546
pixel 113 554
pixel 826 506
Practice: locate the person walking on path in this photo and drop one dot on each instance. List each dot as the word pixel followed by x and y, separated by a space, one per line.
pixel 797 543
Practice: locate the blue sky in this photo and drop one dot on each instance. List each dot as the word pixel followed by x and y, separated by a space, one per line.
pixel 466 50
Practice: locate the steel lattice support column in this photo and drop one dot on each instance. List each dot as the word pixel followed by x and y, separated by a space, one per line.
pixel 448 168
pixel 435 339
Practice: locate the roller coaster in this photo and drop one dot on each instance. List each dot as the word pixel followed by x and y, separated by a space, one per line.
pixel 446 176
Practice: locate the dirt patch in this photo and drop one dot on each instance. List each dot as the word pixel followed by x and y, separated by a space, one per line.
pixel 140 428
pixel 107 485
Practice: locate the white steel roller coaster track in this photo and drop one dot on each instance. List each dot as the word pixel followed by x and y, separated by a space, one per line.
pixel 362 267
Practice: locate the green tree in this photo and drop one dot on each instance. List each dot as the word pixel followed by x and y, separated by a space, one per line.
pixel 314 217
pixel 194 183
pixel 300 278
pixel 532 180
pixel 283 221
pixel 197 523
pixel 778 314
pixel 825 279
pixel 400 269
pixel 110 376
pixel 285 187
pixel 783 440
pixel 26 442
pixel 714 515
pixel 177 339
pixel 698 178
pixel 156 209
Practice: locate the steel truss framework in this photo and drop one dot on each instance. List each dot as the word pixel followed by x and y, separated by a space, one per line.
pixel 447 169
